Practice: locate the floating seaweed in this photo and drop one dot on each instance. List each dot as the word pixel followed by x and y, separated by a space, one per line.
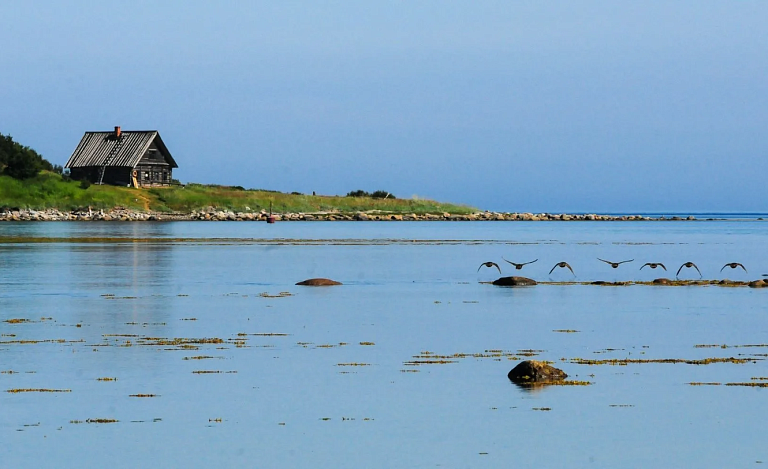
pixel 631 361
pixel 17 321
pixel 282 294
pixel 37 390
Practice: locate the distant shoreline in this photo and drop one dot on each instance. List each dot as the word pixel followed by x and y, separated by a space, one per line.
pixel 372 215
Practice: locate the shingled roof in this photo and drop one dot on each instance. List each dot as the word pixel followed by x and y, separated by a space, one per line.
pixel 95 147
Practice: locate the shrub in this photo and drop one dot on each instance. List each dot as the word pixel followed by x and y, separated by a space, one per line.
pixel 375 195
pixel 382 195
pixel 358 193
pixel 20 162
pixel 85 184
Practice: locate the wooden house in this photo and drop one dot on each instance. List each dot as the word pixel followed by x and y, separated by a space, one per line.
pixel 123 158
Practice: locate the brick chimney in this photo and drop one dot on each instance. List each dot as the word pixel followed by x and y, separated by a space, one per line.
pixel 118 132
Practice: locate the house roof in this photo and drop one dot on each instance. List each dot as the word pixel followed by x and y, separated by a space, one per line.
pixel 95 147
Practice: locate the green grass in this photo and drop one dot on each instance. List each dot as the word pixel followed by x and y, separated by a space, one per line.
pixel 49 190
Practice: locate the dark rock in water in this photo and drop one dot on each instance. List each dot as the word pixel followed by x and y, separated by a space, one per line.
pixel 599 282
pixel 534 371
pixel 730 282
pixel 319 282
pixel 758 284
pixel 662 281
pixel 514 282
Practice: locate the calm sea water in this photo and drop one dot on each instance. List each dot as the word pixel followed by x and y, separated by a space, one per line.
pixel 291 376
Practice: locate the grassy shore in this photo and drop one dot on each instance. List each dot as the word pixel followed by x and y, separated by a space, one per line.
pixel 49 190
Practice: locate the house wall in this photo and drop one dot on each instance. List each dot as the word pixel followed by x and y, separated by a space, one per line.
pixel 152 169
pixel 113 175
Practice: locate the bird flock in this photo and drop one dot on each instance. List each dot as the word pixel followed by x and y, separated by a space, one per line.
pixel 614 265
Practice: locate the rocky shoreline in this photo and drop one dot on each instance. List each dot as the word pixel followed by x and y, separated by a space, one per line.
pixel 120 214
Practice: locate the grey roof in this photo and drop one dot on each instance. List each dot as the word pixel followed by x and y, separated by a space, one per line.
pixel 95 147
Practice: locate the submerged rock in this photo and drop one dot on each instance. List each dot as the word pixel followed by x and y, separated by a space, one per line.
pixel 319 282
pixel 662 281
pixel 514 282
pixel 534 371
pixel 758 284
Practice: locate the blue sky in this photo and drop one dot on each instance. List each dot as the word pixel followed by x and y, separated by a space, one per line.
pixel 593 106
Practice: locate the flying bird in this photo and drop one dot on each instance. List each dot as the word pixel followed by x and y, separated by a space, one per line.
pixel 563 265
pixel 614 264
pixel 653 265
pixel 489 264
pixel 733 265
pixel 688 265
pixel 520 266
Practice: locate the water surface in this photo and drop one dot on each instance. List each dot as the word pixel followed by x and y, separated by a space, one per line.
pixel 324 377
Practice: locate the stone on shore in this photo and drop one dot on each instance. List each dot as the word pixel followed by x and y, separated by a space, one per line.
pixel 534 371
pixel 758 284
pixel 319 282
pixel 514 282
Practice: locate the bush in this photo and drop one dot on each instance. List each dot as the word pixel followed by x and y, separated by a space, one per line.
pixel 375 195
pixel 382 195
pixel 358 193
pixel 20 162
pixel 85 184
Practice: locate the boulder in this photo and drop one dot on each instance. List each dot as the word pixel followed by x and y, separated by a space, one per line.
pixel 514 282
pixel 758 284
pixel 534 371
pixel 662 281
pixel 318 282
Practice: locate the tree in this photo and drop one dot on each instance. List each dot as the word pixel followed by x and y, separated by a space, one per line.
pixel 19 161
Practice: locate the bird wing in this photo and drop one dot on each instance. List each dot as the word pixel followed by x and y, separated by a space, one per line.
pixel 726 265
pixel 607 262
pixel 531 262
pixel 569 268
pixel 497 266
pixel 678 270
pixel 647 263
pixel 742 266
pixel 662 266
pixel 481 266
pixel 697 269
pixel 509 261
pixel 553 268
pixel 622 262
